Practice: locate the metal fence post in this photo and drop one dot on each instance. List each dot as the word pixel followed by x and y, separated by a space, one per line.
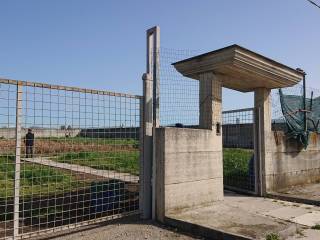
pixel 17 161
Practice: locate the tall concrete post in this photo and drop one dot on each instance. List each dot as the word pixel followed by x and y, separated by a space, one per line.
pixel 150 121
pixel 146 150
pixel 262 99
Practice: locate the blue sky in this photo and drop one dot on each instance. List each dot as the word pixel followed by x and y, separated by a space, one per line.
pixel 101 44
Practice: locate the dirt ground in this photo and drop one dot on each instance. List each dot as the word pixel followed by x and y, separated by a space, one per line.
pixel 125 229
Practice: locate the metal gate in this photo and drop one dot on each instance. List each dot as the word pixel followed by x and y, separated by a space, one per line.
pixel 239 161
pixel 68 157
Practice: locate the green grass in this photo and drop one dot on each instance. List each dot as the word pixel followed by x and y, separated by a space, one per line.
pixel 100 141
pixel 35 179
pixel 273 236
pixel 236 161
pixel 118 161
pixel 39 180
pixel 236 166
pixel 316 227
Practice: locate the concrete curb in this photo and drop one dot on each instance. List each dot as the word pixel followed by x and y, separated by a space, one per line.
pixel 198 230
pixel 284 197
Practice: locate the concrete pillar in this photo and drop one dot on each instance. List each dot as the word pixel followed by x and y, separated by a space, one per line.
pixel 262 100
pixel 146 150
pixel 210 100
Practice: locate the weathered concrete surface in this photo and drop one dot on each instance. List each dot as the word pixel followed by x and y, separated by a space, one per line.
pixel 253 217
pixel 308 193
pixel 242 69
pixel 289 164
pixel 189 169
pixel 306 234
pixel 210 102
pixel 262 104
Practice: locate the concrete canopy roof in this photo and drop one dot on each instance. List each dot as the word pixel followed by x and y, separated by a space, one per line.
pixel 240 69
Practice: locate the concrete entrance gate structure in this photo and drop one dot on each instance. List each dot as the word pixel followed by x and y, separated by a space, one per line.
pixel 189 162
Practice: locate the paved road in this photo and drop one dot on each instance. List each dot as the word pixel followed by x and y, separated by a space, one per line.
pixel 84 169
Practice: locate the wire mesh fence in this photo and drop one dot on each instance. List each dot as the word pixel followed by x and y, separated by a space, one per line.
pixel 8 95
pixel 179 96
pixel 79 157
pixel 238 149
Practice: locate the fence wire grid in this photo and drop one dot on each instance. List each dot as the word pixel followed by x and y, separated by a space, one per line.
pixel 239 169
pixel 179 96
pixel 79 162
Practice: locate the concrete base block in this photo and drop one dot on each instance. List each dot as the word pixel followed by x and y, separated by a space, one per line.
pixel 192 194
pixel 189 170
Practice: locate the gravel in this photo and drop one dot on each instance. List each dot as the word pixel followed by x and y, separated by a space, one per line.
pixel 125 229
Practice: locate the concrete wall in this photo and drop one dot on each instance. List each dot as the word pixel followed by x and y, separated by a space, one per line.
pixel 129 132
pixel 125 132
pixel 8 133
pixel 189 169
pixel 288 164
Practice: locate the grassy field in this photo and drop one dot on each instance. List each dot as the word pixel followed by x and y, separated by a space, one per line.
pixel 120 155
pixel 107 154
pixel 36 179
pixel 120 161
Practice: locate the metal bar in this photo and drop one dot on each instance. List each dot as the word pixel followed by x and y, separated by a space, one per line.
pixel 66 88
pixel 304 102
pixel 17 162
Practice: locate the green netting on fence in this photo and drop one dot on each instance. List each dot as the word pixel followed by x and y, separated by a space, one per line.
pixel 294 113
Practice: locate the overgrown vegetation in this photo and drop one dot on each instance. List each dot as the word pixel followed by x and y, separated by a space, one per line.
pixel 35 179
pixel 236 166
pixel 273 236
pixel 316 227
